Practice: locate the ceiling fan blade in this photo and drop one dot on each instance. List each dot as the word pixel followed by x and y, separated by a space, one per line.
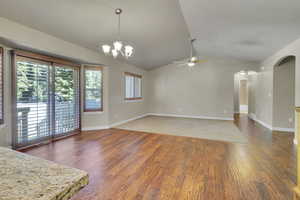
pixel 182 61
pixel 200 61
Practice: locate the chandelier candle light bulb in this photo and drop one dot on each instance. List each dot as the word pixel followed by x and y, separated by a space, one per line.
pixel 128 51
pixel 118 47
pixel 115 53
pixel 106 49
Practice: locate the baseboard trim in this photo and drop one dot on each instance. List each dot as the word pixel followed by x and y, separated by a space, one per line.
pixel 128 120
pixel 283 129
pixel 94 128
pixel 264 124
pixel 192 116
pixel 253 117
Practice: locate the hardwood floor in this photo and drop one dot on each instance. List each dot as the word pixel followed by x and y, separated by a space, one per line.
pixel 133 165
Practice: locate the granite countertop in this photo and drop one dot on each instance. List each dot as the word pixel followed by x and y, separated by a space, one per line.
pixel 24 177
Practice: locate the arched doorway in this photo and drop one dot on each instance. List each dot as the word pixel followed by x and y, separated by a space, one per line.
pixel 284 94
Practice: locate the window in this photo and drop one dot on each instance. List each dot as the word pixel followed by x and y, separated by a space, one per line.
pixel 1 86
pixel 93 89
pixel 133 86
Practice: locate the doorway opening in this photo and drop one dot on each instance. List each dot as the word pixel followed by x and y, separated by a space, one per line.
pixel 284 95
pixel 241 92
pixel 243 95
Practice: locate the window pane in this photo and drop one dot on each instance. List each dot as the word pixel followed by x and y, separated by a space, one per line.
pixel 129 86
pixel 93 89
pixel 33 101
pixel 138 89
pixel 66 99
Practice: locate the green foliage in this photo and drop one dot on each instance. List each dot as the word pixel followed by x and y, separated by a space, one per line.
pixel 64 83
pixel 92 86
pixel 33 82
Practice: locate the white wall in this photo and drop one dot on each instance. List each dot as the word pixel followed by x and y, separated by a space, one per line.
pixel 121 110
pixel 207 90
pixel 42 42
pixel 284 95
pixel 5 129
pixel 236 99
pixel 264 100
pixel 252 85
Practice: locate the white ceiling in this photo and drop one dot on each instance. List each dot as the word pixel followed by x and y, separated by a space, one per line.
pixel 248 30
pixel 155 28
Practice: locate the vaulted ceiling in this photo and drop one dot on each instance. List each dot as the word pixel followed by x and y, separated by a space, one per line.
pixel 155 28
pixel 248 30
pixel 160 29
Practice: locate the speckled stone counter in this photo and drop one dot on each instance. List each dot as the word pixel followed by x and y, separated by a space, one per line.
pixel 24 177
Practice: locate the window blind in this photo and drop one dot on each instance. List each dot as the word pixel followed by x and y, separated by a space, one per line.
pixel 133 86
pixel 67 109
pixel 47 99
pixel 32 100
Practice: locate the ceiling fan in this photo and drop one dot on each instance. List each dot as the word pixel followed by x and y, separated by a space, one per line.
pixel 192 60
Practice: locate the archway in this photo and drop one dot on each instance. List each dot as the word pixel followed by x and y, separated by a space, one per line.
pixel 284 94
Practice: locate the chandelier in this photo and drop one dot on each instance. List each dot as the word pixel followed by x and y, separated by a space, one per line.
pixel 118 46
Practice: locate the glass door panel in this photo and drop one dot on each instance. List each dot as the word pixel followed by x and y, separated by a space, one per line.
pixel 67 107
pixel 32 100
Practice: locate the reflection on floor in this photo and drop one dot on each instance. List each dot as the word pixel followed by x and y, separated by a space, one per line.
pixel 197 128
pixel 129 165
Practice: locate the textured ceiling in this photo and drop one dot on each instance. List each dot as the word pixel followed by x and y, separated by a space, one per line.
pixel 248 30
pixel 155 28
pixel 243 29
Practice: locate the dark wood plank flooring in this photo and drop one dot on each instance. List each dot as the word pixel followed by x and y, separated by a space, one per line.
pixel 134 165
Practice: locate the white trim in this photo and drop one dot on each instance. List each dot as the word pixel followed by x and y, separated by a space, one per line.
pixel 93 113
pixel 295 141
pixel 94 128
pixel 134 101
pixel 128 120
pixel 283 129
pixel 253 117
pixel 191 116
pixel 264 124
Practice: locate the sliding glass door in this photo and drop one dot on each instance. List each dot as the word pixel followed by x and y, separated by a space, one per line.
pixel 47 100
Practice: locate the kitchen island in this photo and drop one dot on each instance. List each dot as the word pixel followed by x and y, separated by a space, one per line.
pixel 24 177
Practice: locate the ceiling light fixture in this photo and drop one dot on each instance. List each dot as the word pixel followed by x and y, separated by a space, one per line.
pixel 118 46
